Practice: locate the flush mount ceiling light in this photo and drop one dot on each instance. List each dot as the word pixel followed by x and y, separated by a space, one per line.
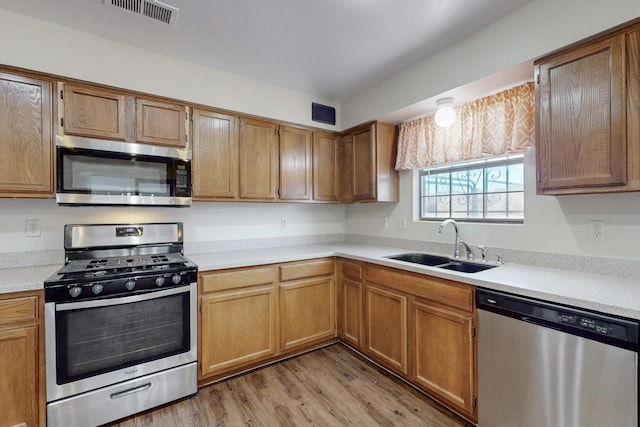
pixel 445 114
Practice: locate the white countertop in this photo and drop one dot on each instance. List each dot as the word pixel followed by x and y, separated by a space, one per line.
pixel 606 294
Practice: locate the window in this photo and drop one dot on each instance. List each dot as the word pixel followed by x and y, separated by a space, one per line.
pixel 487 190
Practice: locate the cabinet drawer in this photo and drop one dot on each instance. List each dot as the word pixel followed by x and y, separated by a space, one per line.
pixel 352 269
pixel 321 267
pixel 216 281
pixel 18 309
pixel 441 291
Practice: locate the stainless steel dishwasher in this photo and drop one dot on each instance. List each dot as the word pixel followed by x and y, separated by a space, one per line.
pixel 547 365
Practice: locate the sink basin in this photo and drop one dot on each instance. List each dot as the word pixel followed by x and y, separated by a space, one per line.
pixel 424 259
pixel 442 262
pixel 466 267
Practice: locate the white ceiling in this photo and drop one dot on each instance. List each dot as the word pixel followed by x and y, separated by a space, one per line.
pixel 332 49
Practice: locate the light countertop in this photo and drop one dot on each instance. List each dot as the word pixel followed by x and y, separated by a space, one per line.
pixel 606 294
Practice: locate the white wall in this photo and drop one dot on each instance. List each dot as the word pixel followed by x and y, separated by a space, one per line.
pixel 536 29
pixel 552 224
pixel 203 221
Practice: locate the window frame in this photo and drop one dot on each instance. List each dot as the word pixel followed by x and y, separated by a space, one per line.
pixel 484 164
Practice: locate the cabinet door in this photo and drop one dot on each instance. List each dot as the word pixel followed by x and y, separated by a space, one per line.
pixel 364 164
pixel 443 356
pixel 161 123
pixel 258 159
pixel 19 377
pixel 580 118
pixel 25 137
pixel 307 311
pixel 237 327
pixel 94 113
pixel 325 167
pixel 346 168
pixel 351 312
pixel 215 155
pixel 295 164
pixel 386 327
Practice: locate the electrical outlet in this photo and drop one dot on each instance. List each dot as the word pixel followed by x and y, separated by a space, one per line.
pixel 32 228
pixel 596 231
pixel 283 222
pixel 401 222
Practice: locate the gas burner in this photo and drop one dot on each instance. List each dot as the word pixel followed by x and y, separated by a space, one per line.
pixel 96 263
pixel 159 258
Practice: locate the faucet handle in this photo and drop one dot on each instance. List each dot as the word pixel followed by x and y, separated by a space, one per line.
pixel 468 250
pixel 499 259
pixel 483 252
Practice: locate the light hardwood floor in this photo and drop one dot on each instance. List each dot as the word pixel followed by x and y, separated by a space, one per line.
pixel 331 386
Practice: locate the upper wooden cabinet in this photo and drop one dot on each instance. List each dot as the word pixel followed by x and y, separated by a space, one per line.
pixel 25 137
pixel 215 155
pixel 96 112
pixel 368 158
pixel 587 114
pixel 259 149
pixel 325 167
pixel 295 164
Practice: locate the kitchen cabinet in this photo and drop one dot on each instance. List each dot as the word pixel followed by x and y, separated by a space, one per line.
pixel 26 164
pixel 238 318
pixel 215 155
pixel 256 315
pixel 307 303
pixel 325 167
pixel 587 109
pixel 423 328
pixel 368 159
pixel 386 322
pixel 96 112
pixel 259 151
pixel 22 360
pixel 350 302
pixel 295 164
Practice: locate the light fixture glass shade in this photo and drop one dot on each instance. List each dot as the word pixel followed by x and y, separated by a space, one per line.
pixel 445 114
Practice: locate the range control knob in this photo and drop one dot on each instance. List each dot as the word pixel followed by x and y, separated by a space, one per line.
pixel 74 291
pixel 130 284
pixel 160 280
pixel 96 288
pixel 176 279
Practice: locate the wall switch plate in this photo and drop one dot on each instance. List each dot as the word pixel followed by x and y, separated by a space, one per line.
pixel 283 222
pixel 596 231
pixel 401 222
pixel 32 228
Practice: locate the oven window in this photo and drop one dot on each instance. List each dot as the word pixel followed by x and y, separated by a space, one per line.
pixel 96 340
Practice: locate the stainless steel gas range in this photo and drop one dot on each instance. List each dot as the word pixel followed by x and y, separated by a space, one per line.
pixel 120 323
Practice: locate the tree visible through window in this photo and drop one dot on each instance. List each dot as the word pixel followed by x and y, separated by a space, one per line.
pixel 488 190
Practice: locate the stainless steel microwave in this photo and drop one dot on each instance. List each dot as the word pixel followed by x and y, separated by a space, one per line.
pixel 103 172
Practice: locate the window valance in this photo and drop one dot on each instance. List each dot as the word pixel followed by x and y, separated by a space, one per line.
pixel 498 124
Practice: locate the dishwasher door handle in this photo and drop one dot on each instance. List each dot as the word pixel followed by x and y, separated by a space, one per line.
pixel 537 322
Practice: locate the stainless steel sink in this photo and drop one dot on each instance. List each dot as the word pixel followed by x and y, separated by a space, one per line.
pixel 442 262
pixel 424 259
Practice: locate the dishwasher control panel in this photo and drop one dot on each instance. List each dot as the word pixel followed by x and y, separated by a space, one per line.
pixel 586 323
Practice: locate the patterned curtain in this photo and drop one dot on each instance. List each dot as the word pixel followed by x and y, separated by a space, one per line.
pixel 498 124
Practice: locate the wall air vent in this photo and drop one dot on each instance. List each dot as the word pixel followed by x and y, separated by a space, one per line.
pixel 150 8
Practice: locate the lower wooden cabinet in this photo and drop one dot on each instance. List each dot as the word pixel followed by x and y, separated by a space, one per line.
pixel 22 401
pixel 350 303
pixel 307 303
pixel 386 327
pixel 255 315
pixel 443 354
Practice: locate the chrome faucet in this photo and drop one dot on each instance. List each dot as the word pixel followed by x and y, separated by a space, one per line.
pixel 468 250
pixel 456 249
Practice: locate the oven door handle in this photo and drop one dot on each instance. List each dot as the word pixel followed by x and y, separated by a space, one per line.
pixel 123 300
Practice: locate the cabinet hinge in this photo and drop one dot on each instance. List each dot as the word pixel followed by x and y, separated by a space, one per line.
pixel 61 122
pixel 473 331
pixel 200 308
pixel 186 138
pixel 538 78
pixel 538 176
pixel 474 402
pixel 61 94
pixel 191 116
pixel 278 132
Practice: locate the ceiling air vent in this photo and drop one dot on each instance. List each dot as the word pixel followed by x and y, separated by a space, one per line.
pixel 150 8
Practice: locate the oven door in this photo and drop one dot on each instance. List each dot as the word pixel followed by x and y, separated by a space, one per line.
pixel 92 344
